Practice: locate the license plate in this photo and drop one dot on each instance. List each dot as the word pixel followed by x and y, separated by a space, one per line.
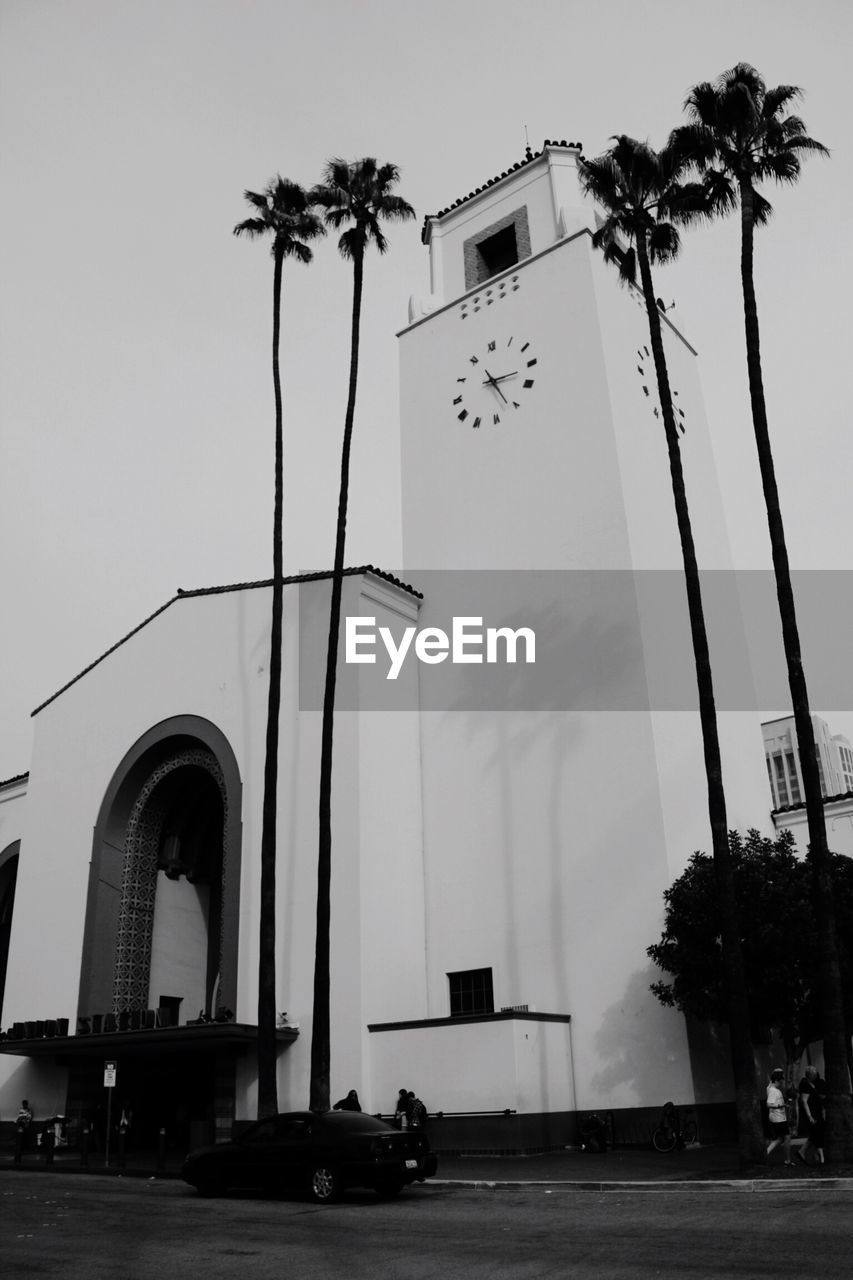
pixel 411 1164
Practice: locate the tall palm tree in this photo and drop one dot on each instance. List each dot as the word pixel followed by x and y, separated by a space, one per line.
pixel 359 197
pixel 740 135
pixel 644 196
pixel 283 212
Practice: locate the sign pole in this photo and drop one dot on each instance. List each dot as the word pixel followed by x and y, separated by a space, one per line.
pixel 109 1085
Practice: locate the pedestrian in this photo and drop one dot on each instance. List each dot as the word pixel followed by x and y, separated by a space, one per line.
pixel 417 1112
pixel 349 1103
pixel 23 1121
pixel 401 1110
pixel 777 1112
pixel 811 1094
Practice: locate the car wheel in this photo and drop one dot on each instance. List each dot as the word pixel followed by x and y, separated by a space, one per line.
pixel 389 1189
pixel 325 1184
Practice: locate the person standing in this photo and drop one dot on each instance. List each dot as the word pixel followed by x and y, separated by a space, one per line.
pixel 23 1125
pixel 777 1112
pixel 349 1103
pixel 402 1109
pixel 24 1121
pixel 417 1113
pixel 811 1114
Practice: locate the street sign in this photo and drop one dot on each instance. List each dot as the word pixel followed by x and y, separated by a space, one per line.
pixel 109 1075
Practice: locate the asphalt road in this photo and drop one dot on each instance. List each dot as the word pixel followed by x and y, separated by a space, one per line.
pixel 97 1228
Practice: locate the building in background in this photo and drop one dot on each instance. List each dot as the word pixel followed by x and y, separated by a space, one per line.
pixel 834 759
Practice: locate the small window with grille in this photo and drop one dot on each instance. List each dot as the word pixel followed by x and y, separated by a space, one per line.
pixel 471 991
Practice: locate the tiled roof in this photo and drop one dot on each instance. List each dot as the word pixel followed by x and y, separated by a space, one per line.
pixel 19 777
pixel 792 808
pixel 528 158
pixel 215 591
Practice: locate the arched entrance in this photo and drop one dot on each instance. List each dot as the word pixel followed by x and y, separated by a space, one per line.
pixel 169 934
pixel 161 938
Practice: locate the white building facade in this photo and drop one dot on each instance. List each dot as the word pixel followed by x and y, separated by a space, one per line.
pixel 782 754
pixel 502 838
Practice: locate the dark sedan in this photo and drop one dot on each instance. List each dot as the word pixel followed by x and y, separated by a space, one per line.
pixel 322 1154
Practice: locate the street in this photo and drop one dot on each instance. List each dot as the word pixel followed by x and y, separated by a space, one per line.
pixel 88 1227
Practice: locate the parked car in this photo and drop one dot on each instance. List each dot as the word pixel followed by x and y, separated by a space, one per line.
pixel 323 1154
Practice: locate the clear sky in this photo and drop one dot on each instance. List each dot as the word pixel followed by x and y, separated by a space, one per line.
pixel 135 392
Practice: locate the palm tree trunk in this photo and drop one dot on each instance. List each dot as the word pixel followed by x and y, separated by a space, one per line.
pixel 839 1127
pixel 321 1032
pixel 267 1085
pixel 750 1136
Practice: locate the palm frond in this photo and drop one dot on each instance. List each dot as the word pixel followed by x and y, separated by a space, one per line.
pixel 721 193
pixel 692 146
pixel 296 249
pixel 782 166
pixel 781 96
pixel 685 203
pixel 285 215
pixel 256 198
pixel 375 235
pixel 701 104
pixel 251 227
pixel 664 242
pixel 753 138
pixel 602 179
pixel 627 265
pixel 762 209
pixel 351 243
pixel 396 208
pixel 360 193
pixel 801 142
pixel 743 76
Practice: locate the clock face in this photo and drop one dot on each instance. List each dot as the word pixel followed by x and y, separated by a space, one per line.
pixel 646 370
pixel 495 382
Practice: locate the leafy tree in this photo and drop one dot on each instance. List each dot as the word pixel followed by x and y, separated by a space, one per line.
pixel 644 195
pixel 359 197
pixel 739 136
pixel 779 946
pixel 282 211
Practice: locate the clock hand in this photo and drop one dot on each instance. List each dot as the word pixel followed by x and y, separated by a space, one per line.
pixel 493 383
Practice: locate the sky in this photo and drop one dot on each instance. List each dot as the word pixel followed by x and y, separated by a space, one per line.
pixel 136 413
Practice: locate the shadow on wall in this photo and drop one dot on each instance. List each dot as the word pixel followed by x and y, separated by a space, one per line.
pixel 543 727
pixel 642 1047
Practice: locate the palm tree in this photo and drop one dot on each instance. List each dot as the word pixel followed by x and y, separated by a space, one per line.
pixel 739 136
pixel 283 212
pixel 644 196
pixel 359 197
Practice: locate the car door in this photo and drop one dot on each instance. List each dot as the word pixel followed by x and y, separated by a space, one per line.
pixel 294 1154
pixel 254 1155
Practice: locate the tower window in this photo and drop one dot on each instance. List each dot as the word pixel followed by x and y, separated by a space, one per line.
pixel 497 248
pixel 471 992
pixel 499 252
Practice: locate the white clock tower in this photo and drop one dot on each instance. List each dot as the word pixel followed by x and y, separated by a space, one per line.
pixel 532 445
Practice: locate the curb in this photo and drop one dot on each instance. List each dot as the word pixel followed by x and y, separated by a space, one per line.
pixel 742 1185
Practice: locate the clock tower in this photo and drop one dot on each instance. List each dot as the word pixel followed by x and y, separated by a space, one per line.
pixel 531 436
pixel 532 444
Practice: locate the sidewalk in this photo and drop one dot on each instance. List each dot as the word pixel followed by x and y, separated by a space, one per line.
pixel 696 1168
pixel 635 1168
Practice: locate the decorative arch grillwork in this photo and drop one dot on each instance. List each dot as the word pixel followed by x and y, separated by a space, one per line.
pixel 139 880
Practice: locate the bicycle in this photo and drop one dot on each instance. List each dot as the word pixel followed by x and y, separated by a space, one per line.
pixel 672 1133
